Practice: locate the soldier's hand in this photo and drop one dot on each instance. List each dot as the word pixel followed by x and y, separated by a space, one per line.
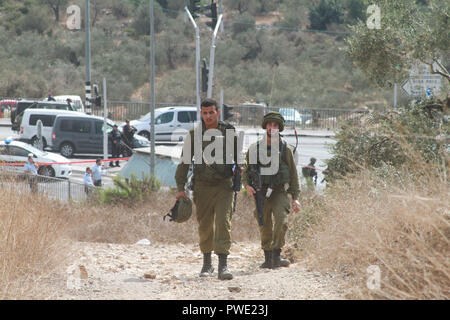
pixel 181 194
pixel 251 191
pixel 295 204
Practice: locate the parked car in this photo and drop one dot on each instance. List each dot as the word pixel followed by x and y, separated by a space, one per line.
pixel 81 133
pixel 293 117
pixel 167 120
pixel 28 125
pixel 17 152
pixel 76 101
pixel 17 113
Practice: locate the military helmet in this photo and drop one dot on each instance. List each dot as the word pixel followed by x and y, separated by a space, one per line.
pixel 275 117
pixel 181 211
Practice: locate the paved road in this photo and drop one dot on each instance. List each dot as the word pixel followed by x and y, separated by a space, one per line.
pixel 308 147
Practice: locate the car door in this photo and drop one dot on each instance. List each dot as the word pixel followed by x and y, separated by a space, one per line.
pixel 97 138
pixel 5 158
pixel 164 126
pixel 185 122
pixel 18 155
pixel 82 129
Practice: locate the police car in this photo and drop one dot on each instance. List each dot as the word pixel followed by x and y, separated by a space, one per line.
pixel 16 152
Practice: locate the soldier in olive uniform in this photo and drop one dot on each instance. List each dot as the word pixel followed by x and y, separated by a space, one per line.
pixel 213 193
pixel 310 174
pixel 283 181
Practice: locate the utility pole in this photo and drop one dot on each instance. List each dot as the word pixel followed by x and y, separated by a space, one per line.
pixel 197 61
pixel 105 114
pixel 88 57
pixel 152 92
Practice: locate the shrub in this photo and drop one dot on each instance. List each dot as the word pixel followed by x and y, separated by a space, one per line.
pixel 130 190
pixel 411 135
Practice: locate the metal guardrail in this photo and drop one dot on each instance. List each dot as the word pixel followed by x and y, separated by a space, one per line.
pixel 119 111
pixel 53 188
pixel 243 115
pixel 306 118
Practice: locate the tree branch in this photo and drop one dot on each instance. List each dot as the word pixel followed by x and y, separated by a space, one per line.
pixel 445 75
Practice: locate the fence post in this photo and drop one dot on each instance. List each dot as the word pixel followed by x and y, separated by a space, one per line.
pixel 70 192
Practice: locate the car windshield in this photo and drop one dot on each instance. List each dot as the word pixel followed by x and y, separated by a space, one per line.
pixel 36 151
pixel 146 117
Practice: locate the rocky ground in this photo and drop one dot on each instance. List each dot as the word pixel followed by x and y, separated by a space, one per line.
pixel 159 271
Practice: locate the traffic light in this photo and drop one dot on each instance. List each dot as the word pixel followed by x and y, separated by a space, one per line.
pixel 98 101
pixel 213 15
pixel 193 8
pixel 227 114
pixel 205 72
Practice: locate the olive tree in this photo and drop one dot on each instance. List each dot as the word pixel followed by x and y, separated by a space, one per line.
pixel 408 32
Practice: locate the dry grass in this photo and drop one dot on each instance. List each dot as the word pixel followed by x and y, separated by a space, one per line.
pixel 400 224
pixel 128 224
pixel 35 232
pixel 31 243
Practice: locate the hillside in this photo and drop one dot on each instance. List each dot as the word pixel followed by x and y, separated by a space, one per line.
pixel 268 52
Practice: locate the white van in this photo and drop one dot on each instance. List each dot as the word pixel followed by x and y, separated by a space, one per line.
pixel 75 101
pixel 28 126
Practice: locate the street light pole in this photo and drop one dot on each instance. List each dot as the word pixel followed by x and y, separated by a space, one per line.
pixel 152 91
pixel 197 61
pixel 211 57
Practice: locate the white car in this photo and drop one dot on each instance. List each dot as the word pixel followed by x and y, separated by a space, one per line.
pixel 17 152
pixel 167 120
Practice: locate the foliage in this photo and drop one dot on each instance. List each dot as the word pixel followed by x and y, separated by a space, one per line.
pixel 392 138
pixel 410 32
pixel 325 13
pixel 278 65
pixel 130 190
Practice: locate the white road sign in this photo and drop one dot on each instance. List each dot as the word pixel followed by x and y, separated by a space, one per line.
pixel 422 82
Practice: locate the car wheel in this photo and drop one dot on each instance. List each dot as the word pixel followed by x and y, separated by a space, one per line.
pixel 46 171
pixel 35 143
pixel 145 134
pixel 67 149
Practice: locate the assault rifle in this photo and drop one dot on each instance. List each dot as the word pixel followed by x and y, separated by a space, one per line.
pixel 255 182
pixel 236 184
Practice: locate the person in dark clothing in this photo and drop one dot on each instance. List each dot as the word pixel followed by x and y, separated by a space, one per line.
pixel 128 132
pixel 115 137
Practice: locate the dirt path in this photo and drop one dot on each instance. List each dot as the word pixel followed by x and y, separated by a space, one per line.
pixel 160 271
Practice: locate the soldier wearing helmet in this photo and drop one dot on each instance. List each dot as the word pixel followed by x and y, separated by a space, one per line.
pixel 281 183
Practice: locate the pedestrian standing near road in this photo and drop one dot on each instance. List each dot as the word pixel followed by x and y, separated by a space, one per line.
pixel 213 193
pixel 276 187
pixel 115 137
pixel 128 132
pixel 310 174
pixel 31 170
pixel 97 172
pixel 88 181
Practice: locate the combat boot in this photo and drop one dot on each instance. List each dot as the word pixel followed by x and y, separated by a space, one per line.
pixel 207 269
pixel 277 260
pixel 268 262
pixel 224 273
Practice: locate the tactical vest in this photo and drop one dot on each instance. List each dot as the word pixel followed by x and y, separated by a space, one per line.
pixel 215 171
pixel 282 176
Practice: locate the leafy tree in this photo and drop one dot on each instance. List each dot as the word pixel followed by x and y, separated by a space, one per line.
pixel 324 13
pixel 55 5
pixel 243 23
pixel 410 33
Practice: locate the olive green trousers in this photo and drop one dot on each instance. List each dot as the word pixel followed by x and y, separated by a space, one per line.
pixel 276 209
pixel 214 208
